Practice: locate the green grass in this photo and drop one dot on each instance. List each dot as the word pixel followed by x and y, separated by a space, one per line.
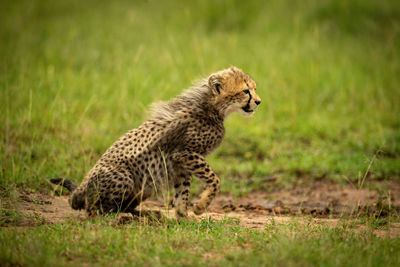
pixel 76 75
pixel 193 244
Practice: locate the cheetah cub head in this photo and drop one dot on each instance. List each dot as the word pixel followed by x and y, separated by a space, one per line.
pixel 233 91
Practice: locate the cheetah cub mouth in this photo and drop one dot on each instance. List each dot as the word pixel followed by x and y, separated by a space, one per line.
pixel 252 103
pixel 247 110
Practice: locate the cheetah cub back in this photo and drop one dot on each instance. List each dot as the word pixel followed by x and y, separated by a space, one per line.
pixel 167 149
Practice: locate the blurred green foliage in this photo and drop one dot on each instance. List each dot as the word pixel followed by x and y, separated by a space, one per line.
pixel 75 75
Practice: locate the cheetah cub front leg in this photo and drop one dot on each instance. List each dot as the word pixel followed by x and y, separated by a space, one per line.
pixel 211 181
pixel 182 187
pixel 196 165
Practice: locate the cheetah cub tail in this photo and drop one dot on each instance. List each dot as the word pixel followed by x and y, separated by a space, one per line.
pixel 77 199
pixel 67 183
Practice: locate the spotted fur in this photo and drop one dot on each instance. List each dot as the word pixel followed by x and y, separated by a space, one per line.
pixel 168 149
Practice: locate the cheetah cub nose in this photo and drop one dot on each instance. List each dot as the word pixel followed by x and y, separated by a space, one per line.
pixel 258 102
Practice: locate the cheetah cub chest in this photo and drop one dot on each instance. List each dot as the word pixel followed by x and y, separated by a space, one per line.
pixel 169 148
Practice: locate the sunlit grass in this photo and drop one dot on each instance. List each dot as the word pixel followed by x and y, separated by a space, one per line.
pixel 189 243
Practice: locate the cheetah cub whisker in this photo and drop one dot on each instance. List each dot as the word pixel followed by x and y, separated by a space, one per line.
pixel 167 149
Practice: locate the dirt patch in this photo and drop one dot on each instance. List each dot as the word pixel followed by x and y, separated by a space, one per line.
pixel 322 199
pixel 320 202
pixel 51 209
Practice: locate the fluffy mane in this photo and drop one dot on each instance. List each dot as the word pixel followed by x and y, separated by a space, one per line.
pixel 193 98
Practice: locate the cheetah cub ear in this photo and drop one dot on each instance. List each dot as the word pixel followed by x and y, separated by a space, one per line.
pixel 215 83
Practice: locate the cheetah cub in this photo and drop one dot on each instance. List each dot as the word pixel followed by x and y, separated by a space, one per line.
pixel 167 149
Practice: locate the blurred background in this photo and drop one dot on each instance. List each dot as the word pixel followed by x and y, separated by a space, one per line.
pixel 76 75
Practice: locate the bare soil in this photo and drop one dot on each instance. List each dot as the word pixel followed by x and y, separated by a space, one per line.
pixel 320 202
